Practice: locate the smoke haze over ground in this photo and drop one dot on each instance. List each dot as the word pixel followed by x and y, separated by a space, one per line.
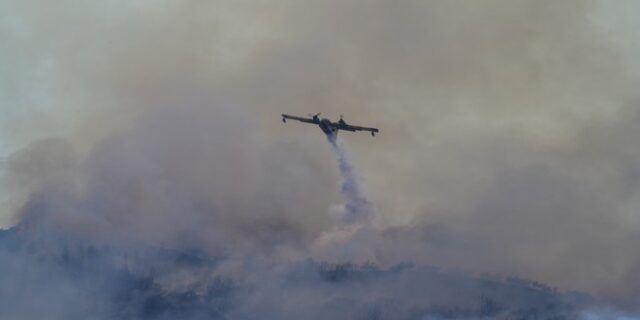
pixel 141 144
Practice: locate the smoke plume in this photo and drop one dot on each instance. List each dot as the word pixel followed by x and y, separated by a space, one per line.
pixel 145 175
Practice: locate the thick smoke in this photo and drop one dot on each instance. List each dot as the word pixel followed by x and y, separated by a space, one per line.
pixel 129 234
pixel 147 176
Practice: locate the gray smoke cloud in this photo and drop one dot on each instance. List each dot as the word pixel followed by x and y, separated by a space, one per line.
pixel 508 145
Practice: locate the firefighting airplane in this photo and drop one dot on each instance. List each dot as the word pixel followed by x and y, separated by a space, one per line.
pixel 328 127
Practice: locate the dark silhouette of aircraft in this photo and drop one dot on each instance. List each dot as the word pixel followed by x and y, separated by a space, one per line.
pixel 328 127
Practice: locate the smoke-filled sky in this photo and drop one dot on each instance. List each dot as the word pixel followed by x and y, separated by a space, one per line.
pixel 508 144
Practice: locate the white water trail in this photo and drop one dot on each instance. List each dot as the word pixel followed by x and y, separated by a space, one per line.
pixel 353 238
pixel 356 208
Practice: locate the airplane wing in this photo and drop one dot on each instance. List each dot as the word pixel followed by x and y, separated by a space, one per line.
pixel 348 127
pixel 307 120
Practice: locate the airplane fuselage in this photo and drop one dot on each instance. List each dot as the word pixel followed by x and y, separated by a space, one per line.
pixel 327 127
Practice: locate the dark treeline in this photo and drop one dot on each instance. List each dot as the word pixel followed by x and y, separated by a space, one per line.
pixel 60 279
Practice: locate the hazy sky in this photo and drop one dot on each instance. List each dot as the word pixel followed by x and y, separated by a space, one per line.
pixel 509 138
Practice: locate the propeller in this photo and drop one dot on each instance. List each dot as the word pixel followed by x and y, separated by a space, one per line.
pixel 313 116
